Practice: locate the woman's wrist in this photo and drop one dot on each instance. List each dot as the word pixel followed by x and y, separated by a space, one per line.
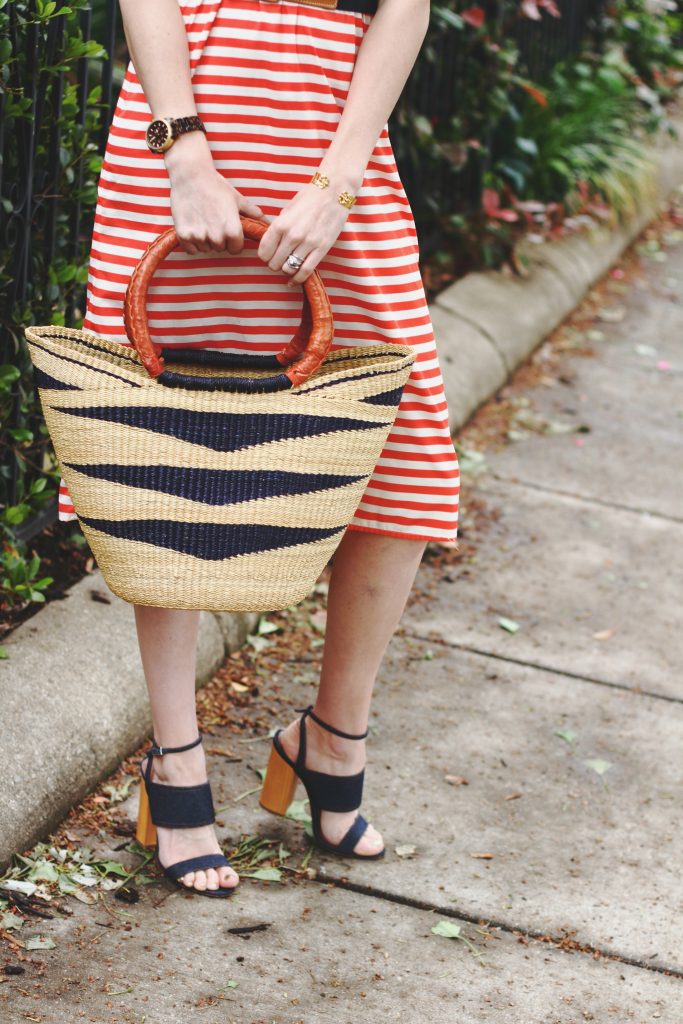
pixel 189 154
pixel 343 177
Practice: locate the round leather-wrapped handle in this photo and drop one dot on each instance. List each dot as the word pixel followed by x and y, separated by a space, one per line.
pixel 309 345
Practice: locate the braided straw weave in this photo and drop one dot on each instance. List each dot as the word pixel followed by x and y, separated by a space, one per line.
pixel 210 498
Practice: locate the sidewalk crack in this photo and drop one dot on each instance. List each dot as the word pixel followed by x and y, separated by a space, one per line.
pixel 636 691
pixel 542 938
pixel 588 499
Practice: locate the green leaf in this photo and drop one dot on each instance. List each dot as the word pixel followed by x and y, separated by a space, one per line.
pixel 259 643
pixel 43 871
pixel 3 652
pixel 8 920
pixel 15 514
pixel 82 878
pixel 297 811
pixel 422 125
pixel 9 373
pixel 598 765
pixel 527 146
pixel 16 885
pixel 113 867
pixel 566 734
pixel 447 929
pixel 20 434
pixel 449 17
pixel 265 874
pixel 509 624
pixel 264 627
pixel 44 582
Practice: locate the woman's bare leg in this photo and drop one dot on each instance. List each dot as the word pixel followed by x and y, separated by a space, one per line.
pixel 168 648
pixel 372 575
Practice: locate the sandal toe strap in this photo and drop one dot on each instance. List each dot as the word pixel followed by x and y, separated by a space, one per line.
pixel 357 829
pixel 181 806
pixel 207 860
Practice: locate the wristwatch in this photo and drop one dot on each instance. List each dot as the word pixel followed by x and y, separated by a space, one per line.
pixel 163 131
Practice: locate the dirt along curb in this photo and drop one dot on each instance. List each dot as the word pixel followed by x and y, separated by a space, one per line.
pixel 72 695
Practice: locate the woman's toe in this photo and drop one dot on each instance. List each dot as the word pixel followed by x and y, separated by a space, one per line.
pixel 200 879
pixel 369 842
pixel 229 878
pixel 211 879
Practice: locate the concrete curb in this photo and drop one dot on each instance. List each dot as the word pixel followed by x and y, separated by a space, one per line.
pixel 486 324
pixel 71 711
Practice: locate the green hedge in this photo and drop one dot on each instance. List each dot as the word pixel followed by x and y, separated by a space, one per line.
pixel 50 158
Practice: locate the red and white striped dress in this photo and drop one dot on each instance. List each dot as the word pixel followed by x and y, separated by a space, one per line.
pixel 270 82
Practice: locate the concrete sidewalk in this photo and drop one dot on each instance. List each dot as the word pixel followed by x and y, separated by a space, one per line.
pixel 534 770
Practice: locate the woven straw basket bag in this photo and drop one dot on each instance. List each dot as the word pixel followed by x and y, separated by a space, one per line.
pixel 197 489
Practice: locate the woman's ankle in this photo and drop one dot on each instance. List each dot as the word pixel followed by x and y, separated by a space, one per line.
pixel 336 750
pixel 186 768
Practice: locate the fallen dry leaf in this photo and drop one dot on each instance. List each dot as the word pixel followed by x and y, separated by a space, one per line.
pixel 513 796
pixel 483 856
pixel 604 634
pixel 405 851
pixel 231 756
pixel 456 780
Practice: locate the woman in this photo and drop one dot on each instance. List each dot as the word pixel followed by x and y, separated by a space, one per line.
pixel 284 89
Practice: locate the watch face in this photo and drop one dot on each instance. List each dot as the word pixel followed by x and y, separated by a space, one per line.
pixel 159 135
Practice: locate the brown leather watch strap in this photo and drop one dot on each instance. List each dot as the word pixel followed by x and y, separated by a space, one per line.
pixel 191 123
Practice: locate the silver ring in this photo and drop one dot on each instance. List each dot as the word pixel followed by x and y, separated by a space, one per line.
pixel 293 261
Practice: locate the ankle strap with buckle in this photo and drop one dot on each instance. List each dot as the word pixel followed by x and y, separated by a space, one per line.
pixel 156 749
pixel 331 728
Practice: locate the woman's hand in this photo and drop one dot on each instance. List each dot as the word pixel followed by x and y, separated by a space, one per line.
pixel 206 208
pixel 308 226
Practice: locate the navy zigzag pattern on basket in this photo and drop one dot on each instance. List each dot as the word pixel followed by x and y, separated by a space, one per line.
pixel 210 499
pixel 210 541
pixel 215 486
pixel 222 431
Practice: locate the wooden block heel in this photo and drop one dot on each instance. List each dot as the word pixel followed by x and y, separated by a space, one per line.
pixel 145 832
pixel 336 793
pixel 177 807
pixel 279 784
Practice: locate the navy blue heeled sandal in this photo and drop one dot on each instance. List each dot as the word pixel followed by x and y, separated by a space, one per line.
pixel 177 807
pixel 325 792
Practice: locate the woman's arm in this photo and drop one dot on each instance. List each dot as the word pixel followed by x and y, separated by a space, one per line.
pixel 312 221
pixel 205 206
pixel 385 58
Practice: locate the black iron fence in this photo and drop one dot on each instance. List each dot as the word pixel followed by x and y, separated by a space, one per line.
pixel 56 100
pixel 47 188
